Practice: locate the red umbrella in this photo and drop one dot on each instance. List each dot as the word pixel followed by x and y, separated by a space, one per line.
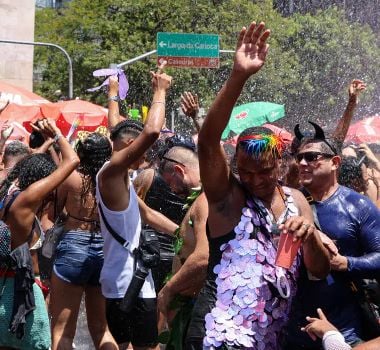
pixel 88 115
pixel 19 95
pixel 286 135
pixel 24 106
pixel 366 130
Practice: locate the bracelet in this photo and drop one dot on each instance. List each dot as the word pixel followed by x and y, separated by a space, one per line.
pixel 158 102
pixel 57 137
pixel 114 98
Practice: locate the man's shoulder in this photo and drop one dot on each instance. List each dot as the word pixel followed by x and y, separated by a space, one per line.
pixel 353 197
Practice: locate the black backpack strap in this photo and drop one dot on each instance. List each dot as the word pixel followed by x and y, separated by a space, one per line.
pixel 311 202
pixel 9 203
pixel 113 233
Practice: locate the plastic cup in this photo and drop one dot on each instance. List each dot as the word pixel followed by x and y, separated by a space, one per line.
pixel 287 250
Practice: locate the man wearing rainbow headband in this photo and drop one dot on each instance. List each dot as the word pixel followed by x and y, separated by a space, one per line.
pixel 246 298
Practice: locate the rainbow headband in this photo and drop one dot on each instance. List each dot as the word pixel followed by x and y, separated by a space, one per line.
pixel 256 145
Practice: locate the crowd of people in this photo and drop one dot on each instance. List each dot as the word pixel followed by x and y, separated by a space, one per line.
pixel 175 242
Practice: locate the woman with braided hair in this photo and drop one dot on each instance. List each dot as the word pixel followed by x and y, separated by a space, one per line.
pixel 24 320
pixel 79 255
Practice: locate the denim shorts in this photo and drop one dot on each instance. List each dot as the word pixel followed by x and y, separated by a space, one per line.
pixel 79 258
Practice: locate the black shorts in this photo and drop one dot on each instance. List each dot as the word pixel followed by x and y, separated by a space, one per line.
pixel 139 326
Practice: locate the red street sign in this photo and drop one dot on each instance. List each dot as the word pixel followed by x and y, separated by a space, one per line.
pixel 189 62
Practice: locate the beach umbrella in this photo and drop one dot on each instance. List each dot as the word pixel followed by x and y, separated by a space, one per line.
pixel 19 95
pixel 366 130
pixel 82 115
pixel 23 106
pixel 252 114
pixel 285 134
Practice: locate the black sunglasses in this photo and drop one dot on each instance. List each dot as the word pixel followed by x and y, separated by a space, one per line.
pixel 312 156
pixel 181 141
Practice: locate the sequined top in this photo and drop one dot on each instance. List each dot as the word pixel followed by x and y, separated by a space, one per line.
pixel 253 295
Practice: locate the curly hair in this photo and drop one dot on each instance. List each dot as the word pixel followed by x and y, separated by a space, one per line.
pixel 28 171
pixel 351 175
pixel 93 152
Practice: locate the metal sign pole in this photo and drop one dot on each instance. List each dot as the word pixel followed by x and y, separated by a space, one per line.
pixel 50 45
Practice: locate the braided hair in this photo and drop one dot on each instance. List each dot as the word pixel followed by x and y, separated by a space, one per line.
pixel 93 152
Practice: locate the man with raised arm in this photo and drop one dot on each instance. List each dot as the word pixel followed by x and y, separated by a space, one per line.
pixel 121 208
pixel 246 298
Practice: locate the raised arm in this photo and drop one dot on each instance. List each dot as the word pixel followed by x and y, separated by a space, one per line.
pixel 354 90
pixel 251 52
pixel 121 160
pixel 36 192
pixel 6 132
pixel 190 107
pixel 113 103
pixel 22 212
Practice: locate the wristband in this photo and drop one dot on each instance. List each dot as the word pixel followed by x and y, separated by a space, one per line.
pixel 114 98
pixel 57 137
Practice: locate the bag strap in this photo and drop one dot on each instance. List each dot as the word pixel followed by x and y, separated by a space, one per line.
pixel 10 202
pixel 311 202
pixel 113 233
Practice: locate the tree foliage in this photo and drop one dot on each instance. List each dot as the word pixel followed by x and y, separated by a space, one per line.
pixel 312 58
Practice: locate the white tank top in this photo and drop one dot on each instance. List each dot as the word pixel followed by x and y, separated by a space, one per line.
pixel 118 267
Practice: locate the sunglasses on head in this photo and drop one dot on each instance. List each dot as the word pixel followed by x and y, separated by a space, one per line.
pixel 312 156
pixel 181 141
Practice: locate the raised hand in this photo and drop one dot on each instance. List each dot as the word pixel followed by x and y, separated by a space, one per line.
pixel 190 104
pixel 6 131
pixel 251 49
pixel 161 80
pixel 114 86
pixel 355 88
pixel 364 149
pixel 47 128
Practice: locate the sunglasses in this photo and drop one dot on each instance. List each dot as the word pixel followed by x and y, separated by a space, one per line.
pixel 312 156
pixel 181 141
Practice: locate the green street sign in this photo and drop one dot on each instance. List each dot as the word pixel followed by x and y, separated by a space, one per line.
pixel 188 50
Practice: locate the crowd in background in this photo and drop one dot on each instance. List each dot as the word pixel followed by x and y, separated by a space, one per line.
pixel 164 235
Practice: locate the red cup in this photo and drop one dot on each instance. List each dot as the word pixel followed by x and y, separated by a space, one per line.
pixel 287 250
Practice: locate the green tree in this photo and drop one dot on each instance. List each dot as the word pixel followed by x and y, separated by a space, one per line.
pixel 311 60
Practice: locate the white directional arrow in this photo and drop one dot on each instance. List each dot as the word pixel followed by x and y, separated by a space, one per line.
pixel 162 44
